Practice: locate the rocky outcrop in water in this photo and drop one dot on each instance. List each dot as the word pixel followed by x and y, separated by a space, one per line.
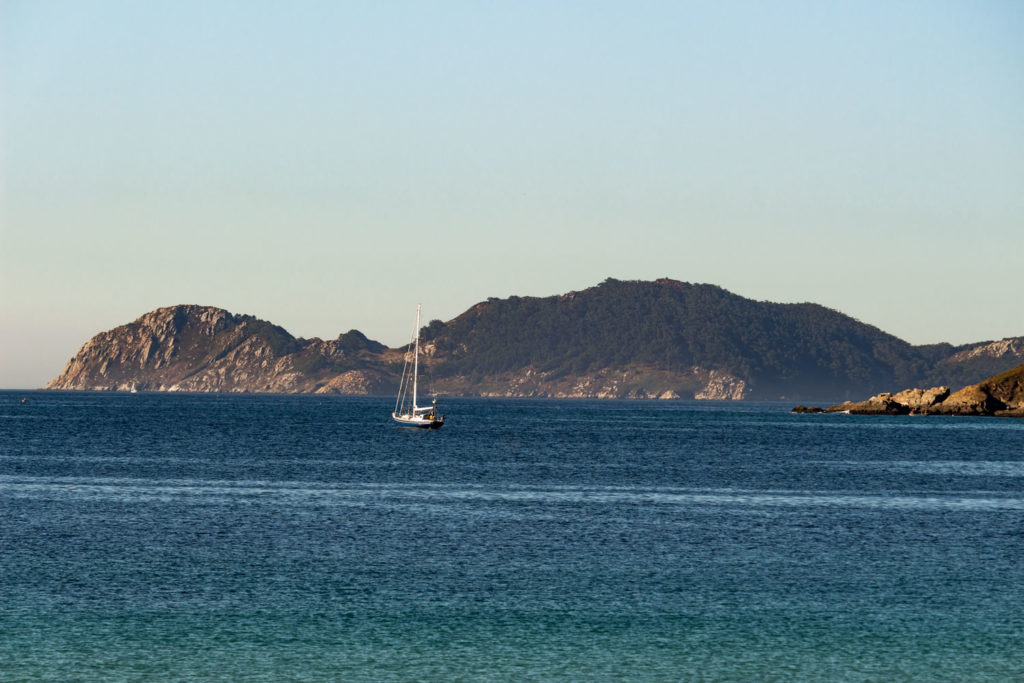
pixel 881 404
pixel 1001 396
pixel 918 400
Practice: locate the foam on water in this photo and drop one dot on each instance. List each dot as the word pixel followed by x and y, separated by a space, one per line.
pixel 192 491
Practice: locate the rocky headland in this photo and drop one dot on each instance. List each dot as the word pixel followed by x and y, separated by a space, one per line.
pixel 207 349
pixel 999 396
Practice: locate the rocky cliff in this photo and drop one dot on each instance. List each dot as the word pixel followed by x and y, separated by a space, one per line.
pixel 202 348
pixel 1001 395
pixel 624 382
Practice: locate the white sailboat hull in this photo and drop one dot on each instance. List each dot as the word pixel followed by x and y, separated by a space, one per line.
pixel 422 421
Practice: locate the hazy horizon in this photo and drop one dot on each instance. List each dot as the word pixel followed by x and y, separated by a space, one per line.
pixel 326 166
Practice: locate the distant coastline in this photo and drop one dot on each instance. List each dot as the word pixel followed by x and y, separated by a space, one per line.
pixel 662 340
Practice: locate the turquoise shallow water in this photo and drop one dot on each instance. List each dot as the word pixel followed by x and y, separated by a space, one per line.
pixel 304 538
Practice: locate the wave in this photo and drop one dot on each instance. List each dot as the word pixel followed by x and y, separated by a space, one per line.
pixel 199 492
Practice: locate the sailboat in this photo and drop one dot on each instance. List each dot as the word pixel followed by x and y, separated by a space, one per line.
pixel 409 414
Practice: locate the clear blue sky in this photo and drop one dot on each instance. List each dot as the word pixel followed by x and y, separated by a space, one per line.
pixel 327 165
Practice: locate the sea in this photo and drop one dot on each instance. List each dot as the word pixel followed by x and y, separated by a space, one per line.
pixel 304 538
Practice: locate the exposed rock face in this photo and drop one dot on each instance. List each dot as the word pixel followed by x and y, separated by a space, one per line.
pixel 1012 347
pixel 882 404
pixel 202 348
pixel 1001 395
pixel 721 387
pixel 631 382
pixel 971 400
pixel 984 359
pixel 918 400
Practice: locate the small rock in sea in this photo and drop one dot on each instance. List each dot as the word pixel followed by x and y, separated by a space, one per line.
pixel 806 409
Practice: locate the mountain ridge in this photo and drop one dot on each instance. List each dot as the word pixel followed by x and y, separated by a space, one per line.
pixel 619 339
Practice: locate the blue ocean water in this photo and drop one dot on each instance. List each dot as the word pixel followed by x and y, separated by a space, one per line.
pixel 305 538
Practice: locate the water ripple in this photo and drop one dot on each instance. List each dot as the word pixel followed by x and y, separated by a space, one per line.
pixel 281 492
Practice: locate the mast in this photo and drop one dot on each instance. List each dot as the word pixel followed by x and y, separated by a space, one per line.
pixel 416 359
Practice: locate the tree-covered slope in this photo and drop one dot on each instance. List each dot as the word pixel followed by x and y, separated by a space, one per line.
pixel 778 349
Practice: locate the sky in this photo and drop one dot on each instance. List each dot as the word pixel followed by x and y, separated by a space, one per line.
pixel 328 165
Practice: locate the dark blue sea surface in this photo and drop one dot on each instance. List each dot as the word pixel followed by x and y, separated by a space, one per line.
pixel 268 538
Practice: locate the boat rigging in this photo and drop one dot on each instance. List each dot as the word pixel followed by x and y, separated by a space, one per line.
pixel 406 412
